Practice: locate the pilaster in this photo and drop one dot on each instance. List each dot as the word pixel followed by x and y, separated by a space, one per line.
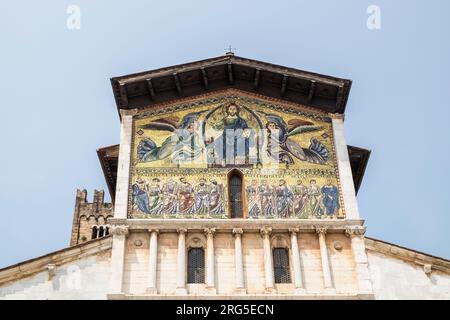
pixel 356 234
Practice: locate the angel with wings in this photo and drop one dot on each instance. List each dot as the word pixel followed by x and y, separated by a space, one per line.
pixel 183 145
pixel 281 148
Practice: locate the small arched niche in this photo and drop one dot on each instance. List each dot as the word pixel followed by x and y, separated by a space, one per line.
pixel 236 194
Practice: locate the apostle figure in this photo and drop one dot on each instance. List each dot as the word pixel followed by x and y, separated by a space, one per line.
pixel 300 192
pixel 330 195
pixel 313 206
pixel 201 197
pixel 155 200
pixel 170 199
pixel 253 200
pixel 140 196
pixel 186 197
pixel 216 203
pixel 284 200
pixel 267 200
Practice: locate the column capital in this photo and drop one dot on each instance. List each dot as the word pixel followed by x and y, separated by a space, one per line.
pixel 265 231
pixel 209 231
pixel 128 112
pixel 294 230
pixel 238 232
pixel 339 116
pixel 355 231
pixel 321 230
pixel 182 230
pixel 119 230
pixel 153 230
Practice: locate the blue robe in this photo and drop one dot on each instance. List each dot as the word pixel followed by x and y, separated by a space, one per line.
pixel 330 199
pixel 140 198
pixel 230 138
pixel 284 200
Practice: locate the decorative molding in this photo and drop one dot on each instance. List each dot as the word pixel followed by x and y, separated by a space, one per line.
pixel 195 241
pixel 321 230
pixel 153 230
pixel 337 116
pixel 407 255
pixel 182 230
pixel 119 230
pixel 221 96
pixel 280 241
pixel 209 231
pixel 294 230
pixel 116 221
pixel 355 231
pixel 247 225
pixel 51 269
pixel 128 112
pixel 238 232
pixel 265 231
pixel 337 245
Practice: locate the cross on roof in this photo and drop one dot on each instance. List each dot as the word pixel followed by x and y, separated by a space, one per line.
pixel 230 50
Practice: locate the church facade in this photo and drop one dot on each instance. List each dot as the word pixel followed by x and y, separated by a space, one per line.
pixel 232 180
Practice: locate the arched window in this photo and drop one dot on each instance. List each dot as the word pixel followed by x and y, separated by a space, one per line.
pixel 235 194
pixel 101 232
pixel 196 265
pixel 106 231
pixel 281 265
pixel 94 232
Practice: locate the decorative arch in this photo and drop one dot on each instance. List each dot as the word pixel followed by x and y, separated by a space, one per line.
pixel 280 241
pixel 281 256
pixel 195 240
pixel 196 258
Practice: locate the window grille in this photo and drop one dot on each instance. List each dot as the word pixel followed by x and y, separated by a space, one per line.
pixel 281 265
pixel 235 184
pixel 196 265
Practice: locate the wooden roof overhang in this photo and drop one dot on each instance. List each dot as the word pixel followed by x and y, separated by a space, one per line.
pixel 144 89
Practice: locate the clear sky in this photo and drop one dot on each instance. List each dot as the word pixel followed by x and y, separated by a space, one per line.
pixel 57 106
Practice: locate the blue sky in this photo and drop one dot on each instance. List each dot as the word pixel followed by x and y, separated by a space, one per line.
pixel 57 106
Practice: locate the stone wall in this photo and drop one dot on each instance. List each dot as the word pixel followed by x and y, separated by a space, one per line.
pixel 395 278
pixel 135 274
pixel 87 215
pixel 79 272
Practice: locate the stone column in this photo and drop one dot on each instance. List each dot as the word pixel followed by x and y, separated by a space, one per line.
pixel 296 262
pixel 119 233
pixel 152 261
pixel 181 263
pixel 268 261
pixel 210 275
pixel 356 235
pixel 123 168
pixel 326 270
pixel 344 168
pixel 238 262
